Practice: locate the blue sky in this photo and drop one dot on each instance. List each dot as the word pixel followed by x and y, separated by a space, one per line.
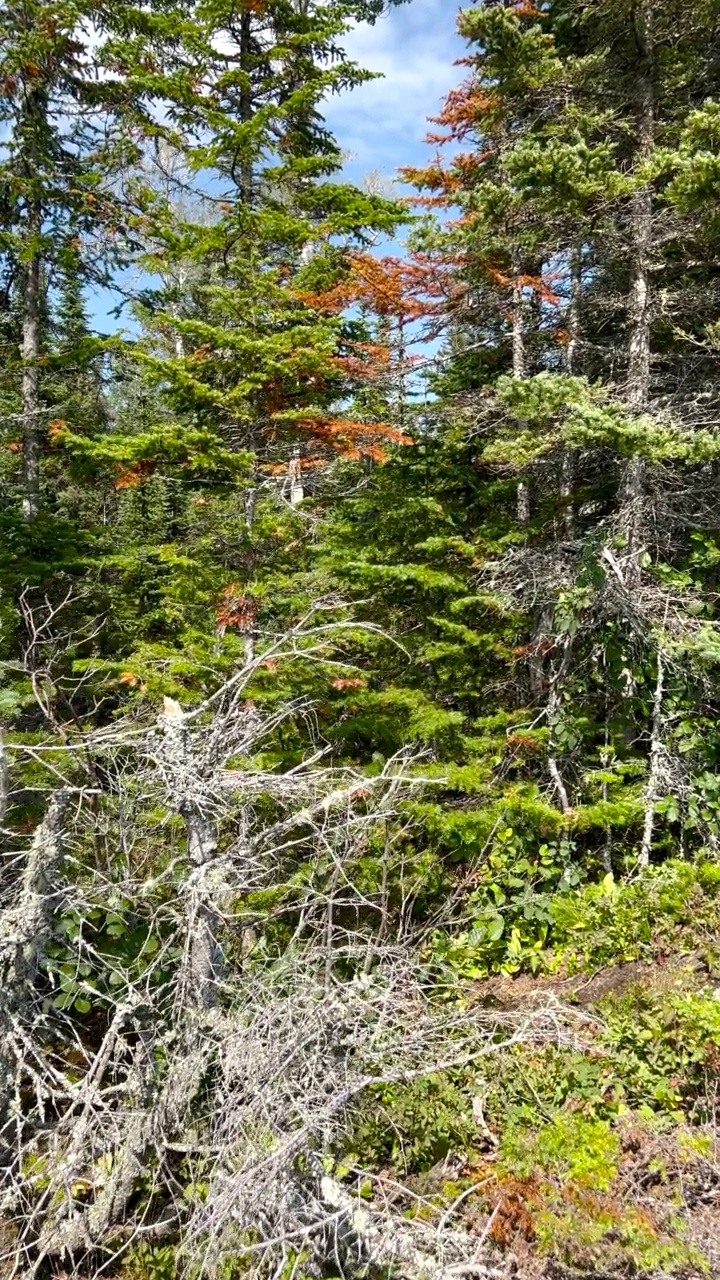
pixel 382 124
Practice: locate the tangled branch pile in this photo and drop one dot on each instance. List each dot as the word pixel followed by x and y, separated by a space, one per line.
pixel 245 994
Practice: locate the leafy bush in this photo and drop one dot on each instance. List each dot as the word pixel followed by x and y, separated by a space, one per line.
pixel 577 1206
pixel 149 1262
pixel 620 921
pixel 511 908
pixel 571 1148
pixel 665 1048
pixel 413 1126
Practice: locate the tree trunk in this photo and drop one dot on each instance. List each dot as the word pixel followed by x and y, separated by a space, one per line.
pixel 652 792
pixel 401 407
pixel 296 493
pixel 560 787
pixel 4 781
pixel 518 371
pixel 31 375
pixel 638 387
pixel 24 934
pixel 202 921
pixel 250 497
pixel 178 340
pixel 639 311
pixel 567 482
pixel 246 102
pixel 554 706
pixel 31 135
pixel 573 347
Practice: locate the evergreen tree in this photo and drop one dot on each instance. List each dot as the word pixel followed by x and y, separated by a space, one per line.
pixel 251 379
pixel 75 120
pixel 363 675
pixel 568 211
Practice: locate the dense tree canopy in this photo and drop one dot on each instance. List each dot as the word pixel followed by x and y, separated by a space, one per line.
pixel 359 650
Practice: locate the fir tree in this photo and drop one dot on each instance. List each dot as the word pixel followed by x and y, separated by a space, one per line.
pixel 563 197
pixel 252 378
pixel 75 120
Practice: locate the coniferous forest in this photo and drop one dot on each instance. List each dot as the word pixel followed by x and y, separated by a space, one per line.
pixel 359 649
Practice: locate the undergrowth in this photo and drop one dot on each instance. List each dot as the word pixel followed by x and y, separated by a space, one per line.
pixel 595 1155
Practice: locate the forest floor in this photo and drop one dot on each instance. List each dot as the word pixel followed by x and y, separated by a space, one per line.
pixel 666 1183
pixel 598 1155
pixel 607 1191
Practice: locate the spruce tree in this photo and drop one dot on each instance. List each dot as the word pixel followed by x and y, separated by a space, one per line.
pixel 566 372
pixel 251 377
pixel 76 113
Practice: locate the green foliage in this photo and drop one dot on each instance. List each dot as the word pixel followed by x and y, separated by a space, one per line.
pixel 587 1235
pixel 413 1126
pixel 571 1168
pixel 145 1261
pixel 614 921
pixel 101 951
pixel 512 909
pixel 662 1047
pixel 523 546
pixel 571 1149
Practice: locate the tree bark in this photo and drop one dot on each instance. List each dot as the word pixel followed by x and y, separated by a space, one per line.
pixel 25 931
pixel 33 123
pixel 296 493
pixel 24 928
pixel 30 351
pixel 574 334
pixel 641 216
pixel 4 781
pixel 652 792
pixel 518 371
pixel 639 303
pixel 246 103
pixel 178 340
pixel 560 787
pixel 202 921
pixel 567 482
pixel 250 499
pixel 553 709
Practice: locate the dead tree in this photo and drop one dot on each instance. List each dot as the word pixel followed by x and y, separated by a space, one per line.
pixel 232 1051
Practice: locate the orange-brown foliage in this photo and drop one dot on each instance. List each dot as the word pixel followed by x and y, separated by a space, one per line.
pixel 514 1212
pixel 235 609
pixel 392 288
pixel 463 109
pixel 55 428
pixel 354 439
pixel 524 742
pixel 132 477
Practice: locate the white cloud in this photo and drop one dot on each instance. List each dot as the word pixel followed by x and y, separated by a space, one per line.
pixel 382 124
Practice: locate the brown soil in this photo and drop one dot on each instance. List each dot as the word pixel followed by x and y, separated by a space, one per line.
pixel 509 992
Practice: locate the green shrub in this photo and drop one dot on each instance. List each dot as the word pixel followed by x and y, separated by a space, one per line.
pixel 576 1192
pixel 511 909
pixel 413 1126
pixel 616 921
pixel 144 1261
pixel 571 1148
pixel 665 1048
